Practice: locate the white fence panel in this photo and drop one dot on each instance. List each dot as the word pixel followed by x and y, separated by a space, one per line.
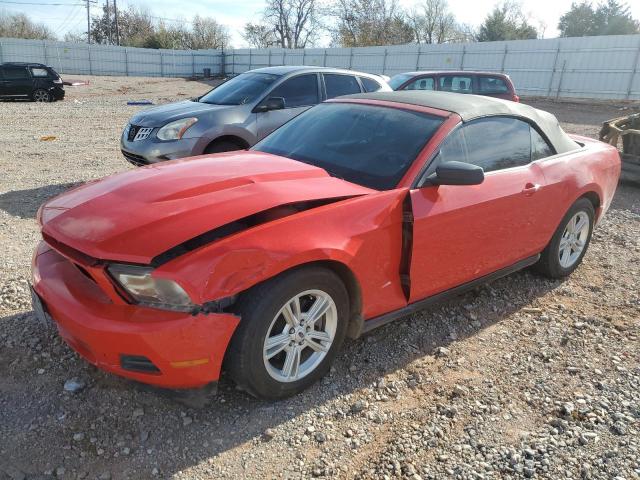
pixel 83 59
pixel 589 67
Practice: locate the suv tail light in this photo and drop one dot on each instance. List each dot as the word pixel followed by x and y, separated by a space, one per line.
pixel 516 98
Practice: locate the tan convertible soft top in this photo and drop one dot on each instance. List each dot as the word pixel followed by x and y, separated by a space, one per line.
pixel 470 107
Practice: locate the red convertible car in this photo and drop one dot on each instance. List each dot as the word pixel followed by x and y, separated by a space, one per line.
pixel 357 212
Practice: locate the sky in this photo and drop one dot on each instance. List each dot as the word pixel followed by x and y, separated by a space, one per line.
pixel 235 13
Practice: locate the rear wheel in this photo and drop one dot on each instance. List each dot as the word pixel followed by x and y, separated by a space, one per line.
pixel 570 241
pixel 290 331
pixel 40 95
pixel 223 146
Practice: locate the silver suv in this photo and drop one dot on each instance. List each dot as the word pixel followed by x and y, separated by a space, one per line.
pixel 238 113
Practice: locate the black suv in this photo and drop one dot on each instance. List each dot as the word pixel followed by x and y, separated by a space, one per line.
pixel 33 81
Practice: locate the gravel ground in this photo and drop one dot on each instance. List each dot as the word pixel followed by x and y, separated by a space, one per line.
pixel 525 377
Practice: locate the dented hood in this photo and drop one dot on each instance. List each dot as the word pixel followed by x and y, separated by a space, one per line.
pixel 136 215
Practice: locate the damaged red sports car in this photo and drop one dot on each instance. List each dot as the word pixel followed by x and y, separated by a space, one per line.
pixel 355 213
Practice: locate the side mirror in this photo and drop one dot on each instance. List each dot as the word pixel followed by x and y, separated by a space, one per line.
pixel 271 103
pixel 456 173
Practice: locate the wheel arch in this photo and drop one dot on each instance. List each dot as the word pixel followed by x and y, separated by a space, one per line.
pixel 593 197
pixel 241 142
pixel 348 278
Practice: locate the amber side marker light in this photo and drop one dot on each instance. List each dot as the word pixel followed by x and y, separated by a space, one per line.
pixel 190 363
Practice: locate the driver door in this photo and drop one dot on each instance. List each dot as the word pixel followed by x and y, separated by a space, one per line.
pixel 462 233
pixel 299 94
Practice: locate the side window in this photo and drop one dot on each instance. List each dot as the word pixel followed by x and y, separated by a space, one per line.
pixel 492 85
pixel 39 72
pixel 338 85
pixel 456 83
pixel 421 84
pixel 369 84
pixel 299 91
pixel 498 143
pixel 539 146
pixel 453 148
pixel 15 73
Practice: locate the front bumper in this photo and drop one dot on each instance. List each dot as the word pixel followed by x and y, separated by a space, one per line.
pixel 187 350
pixel 152 150
pixel 58 93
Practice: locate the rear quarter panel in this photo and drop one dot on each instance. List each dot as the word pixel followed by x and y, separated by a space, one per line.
pixel 593 168
pixel 362 233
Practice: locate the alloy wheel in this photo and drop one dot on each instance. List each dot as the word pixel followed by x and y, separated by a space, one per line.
pixel 300 335
pixel 41 96
pixel 573 240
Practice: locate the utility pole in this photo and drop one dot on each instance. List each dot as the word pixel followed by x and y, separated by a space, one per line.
pixel 88 24
pixel 115 12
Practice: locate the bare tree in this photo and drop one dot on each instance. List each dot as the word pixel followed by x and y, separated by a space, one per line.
pixel 296 23
pixel 136 26
pixel 259 35
pixel 21 26
pixel 362 23
pixel 206 33
pixel 434 23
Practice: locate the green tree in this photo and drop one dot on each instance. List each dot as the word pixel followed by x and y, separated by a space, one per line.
pixel 506 22
pixel 579 21
pixel 614 18
pixel 609 18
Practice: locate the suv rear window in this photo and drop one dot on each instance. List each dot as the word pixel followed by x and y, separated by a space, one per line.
pixel 492 85
pixel 15 73
pixel 426 83
pixel 338 85
pixel 369 84
pixel 39 72
pixel 456 83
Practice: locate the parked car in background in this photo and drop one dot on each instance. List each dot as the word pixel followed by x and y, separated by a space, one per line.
pixel 489 84
pixel 357 212
pixel 30 81
pixel 238 113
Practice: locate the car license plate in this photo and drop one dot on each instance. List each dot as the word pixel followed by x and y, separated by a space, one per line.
pixel 39 309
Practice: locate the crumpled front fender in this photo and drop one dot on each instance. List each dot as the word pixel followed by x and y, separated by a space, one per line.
pixel 362 233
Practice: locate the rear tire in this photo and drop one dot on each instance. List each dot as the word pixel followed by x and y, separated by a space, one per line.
pixel 223 146
pixel 569 243
pixel 269 355
pixel 41 95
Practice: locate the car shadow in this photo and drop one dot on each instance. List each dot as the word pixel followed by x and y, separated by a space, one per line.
pixel 180 437
pixel 25 203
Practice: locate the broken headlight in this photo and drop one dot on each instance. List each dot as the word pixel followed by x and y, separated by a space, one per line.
pixel 144 289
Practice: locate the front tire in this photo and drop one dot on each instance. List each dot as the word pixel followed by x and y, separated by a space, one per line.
pixel 290 331
pixel 569 243
pixel 41 95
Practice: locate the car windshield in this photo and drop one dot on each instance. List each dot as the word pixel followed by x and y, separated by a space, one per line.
pixel 398 80
pixel 244 88
pixel 369 145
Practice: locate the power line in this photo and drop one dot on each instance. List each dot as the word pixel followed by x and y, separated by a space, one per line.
pixel 46 4
pixel 73 13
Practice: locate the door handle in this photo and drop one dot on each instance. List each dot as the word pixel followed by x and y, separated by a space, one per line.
pixel 530 188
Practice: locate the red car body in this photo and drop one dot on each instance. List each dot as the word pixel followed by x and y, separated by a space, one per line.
pixel 459 235
pixel 491 84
